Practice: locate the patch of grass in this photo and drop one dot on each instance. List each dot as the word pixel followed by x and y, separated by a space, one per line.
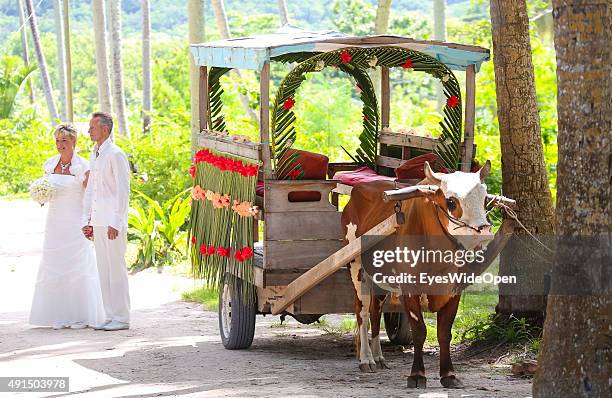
pixel 205 295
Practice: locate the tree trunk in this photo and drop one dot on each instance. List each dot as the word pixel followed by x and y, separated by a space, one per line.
pixel 24 47
pixel 68 59
pixel 147 93
pixel 61 58
pixel 195 15
pixel 575 358
pixel 284 14
pixel 224 31
pixel 117 68
pixel 439 10
pixel 523 168
pixel 381 24
pixel 42 64
pixel 99 27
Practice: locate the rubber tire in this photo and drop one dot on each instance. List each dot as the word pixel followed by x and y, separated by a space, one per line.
pixel 398 328
pixel 242 316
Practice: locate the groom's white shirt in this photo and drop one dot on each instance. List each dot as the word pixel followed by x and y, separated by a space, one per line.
pixel 108 189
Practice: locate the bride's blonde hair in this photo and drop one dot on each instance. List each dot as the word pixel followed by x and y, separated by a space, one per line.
pixel 66 130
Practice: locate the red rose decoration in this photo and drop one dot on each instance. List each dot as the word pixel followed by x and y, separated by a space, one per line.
pixel 211 250
pixel 238 256
pixel 203 249
pixel 222 251
pixel 295 173
pixel 346 57
pixel 193 239
pixel 192 171
pixel 452 101
pixel 247 252
pixel 288 104
pixel 407 64
pixel 365 118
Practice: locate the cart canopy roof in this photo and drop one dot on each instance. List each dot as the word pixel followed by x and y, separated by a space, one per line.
pixel 253 52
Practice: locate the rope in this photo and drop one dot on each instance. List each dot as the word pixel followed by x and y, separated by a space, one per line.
pixel 513 216
pixel 25 21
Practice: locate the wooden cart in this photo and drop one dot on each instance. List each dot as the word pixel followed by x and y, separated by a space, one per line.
pixel 298 267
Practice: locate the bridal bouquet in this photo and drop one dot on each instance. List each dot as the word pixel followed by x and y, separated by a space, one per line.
pixel 41 190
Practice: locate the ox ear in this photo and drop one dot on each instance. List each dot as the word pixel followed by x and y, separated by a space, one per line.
pixel 431 175
pixel 484 170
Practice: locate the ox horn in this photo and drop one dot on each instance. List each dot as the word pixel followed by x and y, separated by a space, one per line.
pixel 409 192
pixel 484 170
pixel 432 176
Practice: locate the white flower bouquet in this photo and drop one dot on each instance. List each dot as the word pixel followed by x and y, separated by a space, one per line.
pixel 41 190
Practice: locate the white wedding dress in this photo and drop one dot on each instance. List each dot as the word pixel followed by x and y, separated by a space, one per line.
pixel 67 287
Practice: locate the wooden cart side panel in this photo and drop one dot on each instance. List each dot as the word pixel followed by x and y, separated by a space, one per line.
pixel 303 225
pixel 276 197
pixel 291 254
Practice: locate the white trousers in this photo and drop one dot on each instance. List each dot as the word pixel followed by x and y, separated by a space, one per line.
pixel 110 256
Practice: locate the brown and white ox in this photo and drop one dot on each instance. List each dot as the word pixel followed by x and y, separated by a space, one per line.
pixel 454 212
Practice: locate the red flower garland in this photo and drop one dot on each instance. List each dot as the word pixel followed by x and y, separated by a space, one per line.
pixel 225 164
pixel 240 255
pixel 407 64
pixel 452 101
pixel 346 57
pixel 288 104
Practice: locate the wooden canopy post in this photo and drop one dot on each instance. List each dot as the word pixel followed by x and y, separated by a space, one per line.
pixel 470 111
pixel 203 104
pixel 385 97
pixel 264 117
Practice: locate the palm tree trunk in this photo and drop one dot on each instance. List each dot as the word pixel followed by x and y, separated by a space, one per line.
pixel 284 14
pixel 24 47
pixel 195 15
pixel 68 58
pixel 99 27
pixel 61 59
pixel 224 31
pixel 42 64
pixel 117 67
pixel 523 168
pixel 147 94
pixel 575 354
pixel 439 9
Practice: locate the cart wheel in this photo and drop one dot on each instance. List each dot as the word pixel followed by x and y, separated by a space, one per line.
pixel 236 315
pixel 398 328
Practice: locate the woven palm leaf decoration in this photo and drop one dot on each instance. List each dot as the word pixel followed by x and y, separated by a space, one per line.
pixel 356 60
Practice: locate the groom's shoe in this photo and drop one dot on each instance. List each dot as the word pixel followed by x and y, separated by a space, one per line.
pixel 116 325
pixel 102 326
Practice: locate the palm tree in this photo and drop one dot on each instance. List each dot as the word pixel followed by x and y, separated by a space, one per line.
pixel 439 9
pixel 68 59
pixel 61 59
pixel 42 64
pixel 284 14
pixel 195 13
pixel 99 27
pixel 147 93
pixel 117 67
pixel 574 358
pixel 523 168
pixel 13 76
pixel 24 48
pixel 224 31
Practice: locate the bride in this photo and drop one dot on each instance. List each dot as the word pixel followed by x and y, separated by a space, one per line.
pixel 67 292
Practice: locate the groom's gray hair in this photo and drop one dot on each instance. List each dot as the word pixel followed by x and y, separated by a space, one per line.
pixel 105 119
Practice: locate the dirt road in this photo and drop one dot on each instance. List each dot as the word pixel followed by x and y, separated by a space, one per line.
pixel 173 347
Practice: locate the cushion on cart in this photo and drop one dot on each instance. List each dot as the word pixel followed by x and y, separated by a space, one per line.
pixel 362 174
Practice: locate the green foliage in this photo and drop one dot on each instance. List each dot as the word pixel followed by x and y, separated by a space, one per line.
pixel 159 229
pixel 207 296
pixel 353 17
pixel 513 332
pixel 13 75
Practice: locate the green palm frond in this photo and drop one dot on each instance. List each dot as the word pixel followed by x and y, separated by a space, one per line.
pixel 13 75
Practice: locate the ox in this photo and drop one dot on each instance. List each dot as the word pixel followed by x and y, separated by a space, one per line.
pixel 455 212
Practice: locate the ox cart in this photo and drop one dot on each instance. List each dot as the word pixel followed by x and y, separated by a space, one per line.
pixel 265 227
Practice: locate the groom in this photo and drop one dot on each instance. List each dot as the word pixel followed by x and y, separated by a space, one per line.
pixel 105 219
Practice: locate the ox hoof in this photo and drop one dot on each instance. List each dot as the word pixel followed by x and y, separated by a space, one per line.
pixel 417 381
pixel 381 364
pixel 367 368
pixel 451 382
